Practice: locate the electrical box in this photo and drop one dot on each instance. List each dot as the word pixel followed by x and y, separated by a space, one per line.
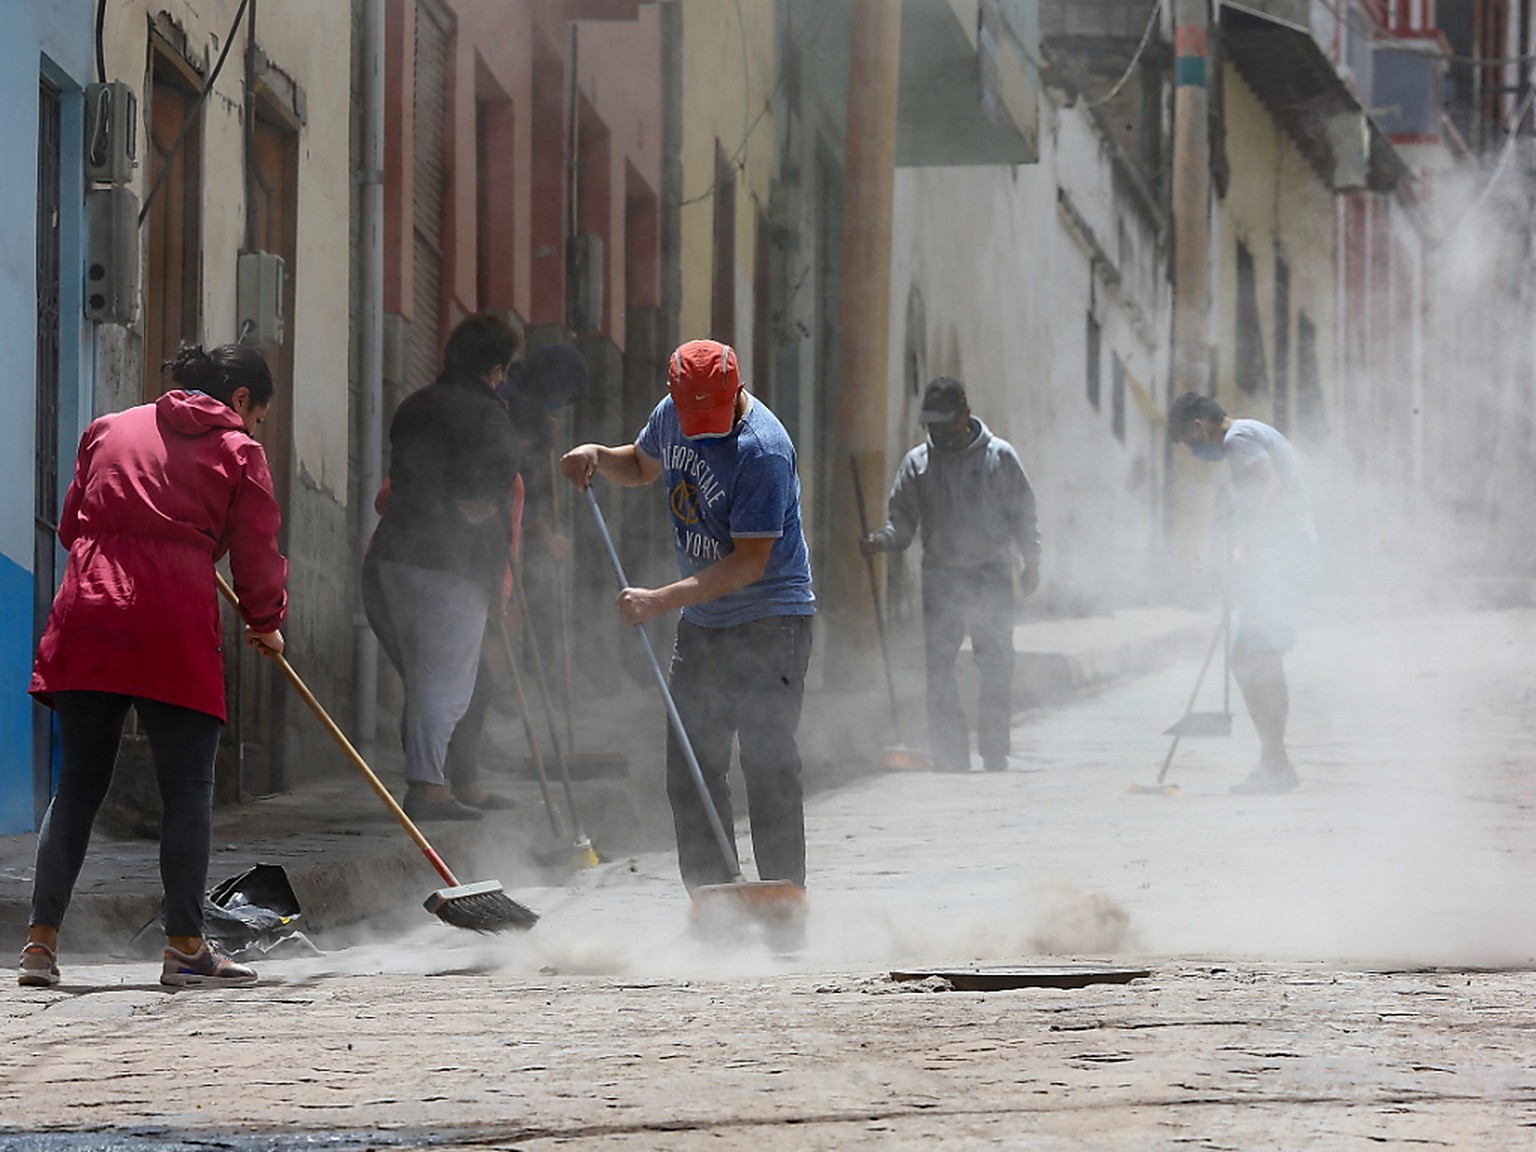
pixel 112 262
pixel 259 298
pixel 584 283
pixel 1349 135
pixel 111 133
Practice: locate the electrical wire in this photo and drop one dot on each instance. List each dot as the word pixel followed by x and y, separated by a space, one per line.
pixel 101 46
pixel 1146 37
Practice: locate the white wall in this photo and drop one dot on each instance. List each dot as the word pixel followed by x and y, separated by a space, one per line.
pixel 1006 280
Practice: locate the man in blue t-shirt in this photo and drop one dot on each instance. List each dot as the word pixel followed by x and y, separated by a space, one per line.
pixel 744 641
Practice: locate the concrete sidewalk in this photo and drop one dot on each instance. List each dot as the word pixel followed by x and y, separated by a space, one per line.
pixel 349 861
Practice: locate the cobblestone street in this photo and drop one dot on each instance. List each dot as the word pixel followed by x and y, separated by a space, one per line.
pixel 1346 966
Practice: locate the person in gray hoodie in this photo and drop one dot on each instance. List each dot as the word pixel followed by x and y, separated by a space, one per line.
pixel 966 492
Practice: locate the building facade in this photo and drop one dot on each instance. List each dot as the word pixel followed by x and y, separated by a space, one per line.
pixel 48 64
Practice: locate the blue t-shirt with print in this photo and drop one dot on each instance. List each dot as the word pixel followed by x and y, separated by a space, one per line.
pixel 741 485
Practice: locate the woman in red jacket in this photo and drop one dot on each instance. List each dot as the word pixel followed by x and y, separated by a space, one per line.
pixel 161 492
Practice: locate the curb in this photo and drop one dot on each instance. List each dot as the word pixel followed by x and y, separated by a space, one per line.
pixel 349 862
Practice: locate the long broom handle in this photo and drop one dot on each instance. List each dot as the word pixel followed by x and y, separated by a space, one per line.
pixel 874 593
pixel 549 715
pixel 527 719
pixel 563 592
pixel 727 849
pixel 346 746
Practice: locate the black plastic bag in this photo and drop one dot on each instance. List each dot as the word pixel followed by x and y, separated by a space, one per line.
pixel 249 915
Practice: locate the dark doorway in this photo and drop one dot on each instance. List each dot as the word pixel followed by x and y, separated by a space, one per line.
pixel 46 481
pixel 173 227
pixel 258 698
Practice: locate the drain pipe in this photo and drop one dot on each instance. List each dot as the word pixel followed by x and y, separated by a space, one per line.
pixel 370 414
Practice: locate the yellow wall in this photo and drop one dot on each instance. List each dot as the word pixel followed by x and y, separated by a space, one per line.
pixel 729 65
pixel 1274 194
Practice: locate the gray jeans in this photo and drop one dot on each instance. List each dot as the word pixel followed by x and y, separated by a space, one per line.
pixel 438 623
pixel 977 600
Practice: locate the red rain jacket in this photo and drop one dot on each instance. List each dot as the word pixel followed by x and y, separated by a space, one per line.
pixel 161 492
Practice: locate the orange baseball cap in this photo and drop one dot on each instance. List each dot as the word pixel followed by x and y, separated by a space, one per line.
pixel 704 380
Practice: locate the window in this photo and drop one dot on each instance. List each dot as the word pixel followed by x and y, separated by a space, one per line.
pixel 1252 369
pixel 1094 337
pixel 1311 414
pixel 1282 344
pixel 1117 399
pixel 722 310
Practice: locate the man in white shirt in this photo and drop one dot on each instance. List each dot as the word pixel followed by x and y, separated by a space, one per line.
pixel 1272 559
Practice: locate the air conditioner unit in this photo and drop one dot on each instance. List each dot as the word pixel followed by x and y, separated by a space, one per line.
pixel 112 262
pixel 584 283
pixel 259 298
pixel 111 133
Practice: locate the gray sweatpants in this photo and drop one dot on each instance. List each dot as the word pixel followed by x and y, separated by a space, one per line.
pixel 439 621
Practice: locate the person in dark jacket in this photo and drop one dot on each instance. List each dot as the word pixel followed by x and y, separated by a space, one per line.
pixel 965 489
pixel 545 382
pixel 160 493
pixel 441 551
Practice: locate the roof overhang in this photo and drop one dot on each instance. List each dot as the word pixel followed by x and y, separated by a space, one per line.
pixel 1302 90
pixel 967 94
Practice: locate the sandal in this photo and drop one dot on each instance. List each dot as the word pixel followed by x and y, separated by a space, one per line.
pixel 39 967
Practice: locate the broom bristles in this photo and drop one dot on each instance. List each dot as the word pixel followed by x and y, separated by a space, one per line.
pixel 483 907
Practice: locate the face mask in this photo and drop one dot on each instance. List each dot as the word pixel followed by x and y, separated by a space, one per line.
pixel 950 439
pixel 1211 453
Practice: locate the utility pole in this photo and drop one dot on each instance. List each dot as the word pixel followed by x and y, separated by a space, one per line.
pixel 863 319
pixel 1190 370
pixel 1191 200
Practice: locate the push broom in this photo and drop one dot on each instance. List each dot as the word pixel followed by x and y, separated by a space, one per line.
pixel 898 756
pixel 556 826
pixel 583 855
pixel 482 907
pixel 777 904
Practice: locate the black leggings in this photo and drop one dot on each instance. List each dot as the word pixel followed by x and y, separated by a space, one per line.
pixel 183 743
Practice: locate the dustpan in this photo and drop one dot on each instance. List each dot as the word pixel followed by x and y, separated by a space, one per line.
pixel 1194 723
pixel 1201 724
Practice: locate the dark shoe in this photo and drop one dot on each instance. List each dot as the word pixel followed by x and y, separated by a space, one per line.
pixel 490 802
pixel 995 763
pixel 420 809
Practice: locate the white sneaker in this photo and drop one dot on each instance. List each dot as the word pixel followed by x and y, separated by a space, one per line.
pixel 206 968
pixel 39 966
